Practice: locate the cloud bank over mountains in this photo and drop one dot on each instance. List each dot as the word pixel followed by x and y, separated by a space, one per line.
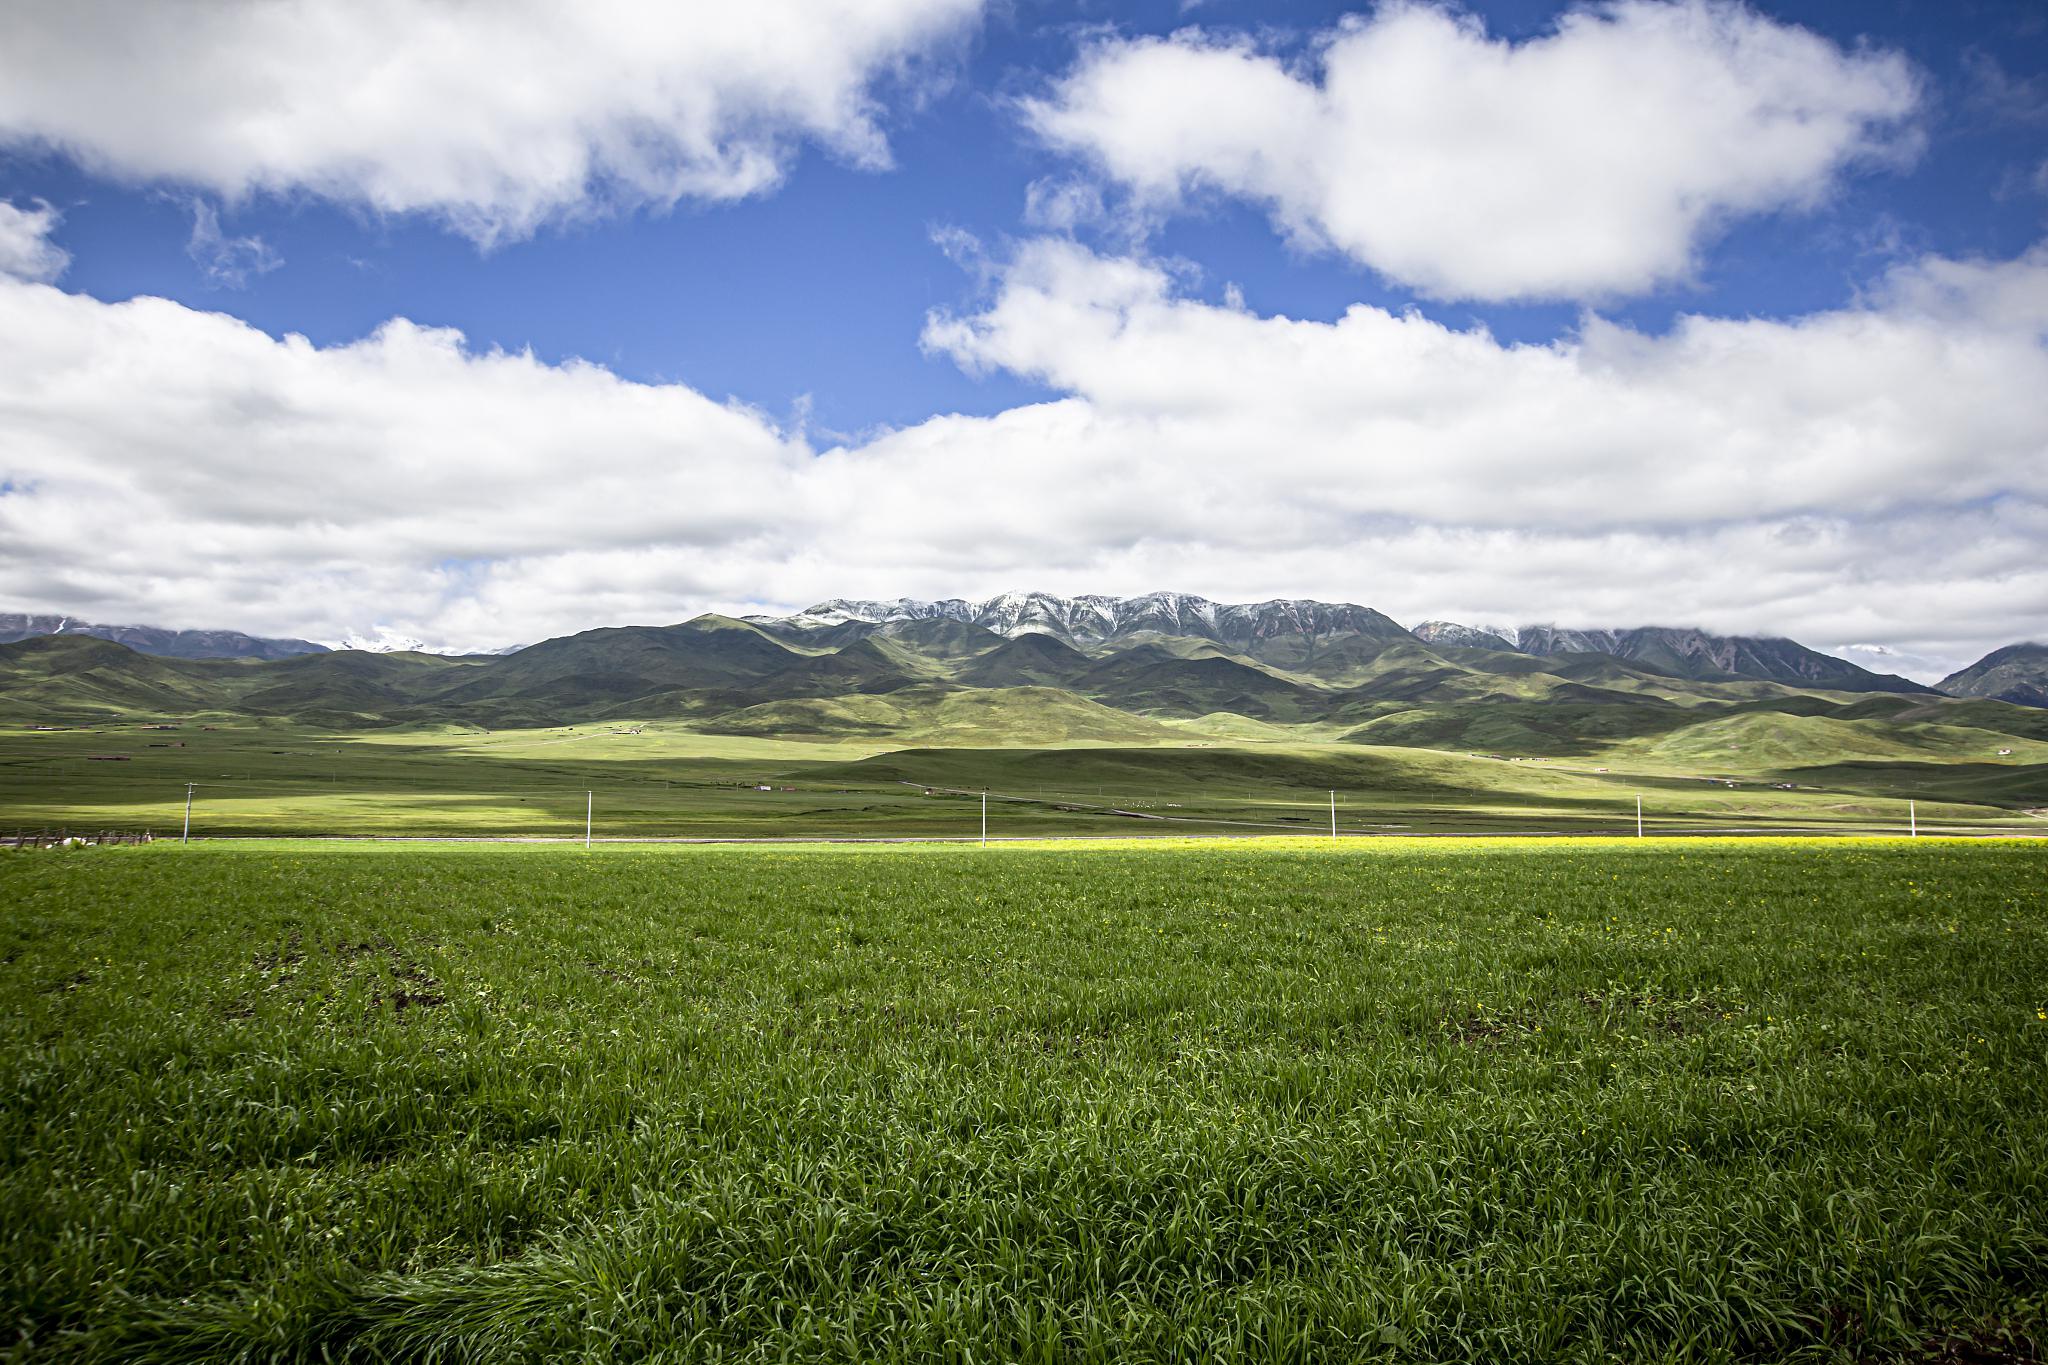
pixel 1728 471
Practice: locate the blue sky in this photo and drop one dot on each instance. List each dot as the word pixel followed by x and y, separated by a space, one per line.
pixel 811 301
pixel 821 288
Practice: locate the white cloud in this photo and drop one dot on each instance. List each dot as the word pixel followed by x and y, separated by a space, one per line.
pixel 1914 399
pixel 26 251
pixel 497 117
pixel 1588 162
pixel 1876 474
pixel 226 262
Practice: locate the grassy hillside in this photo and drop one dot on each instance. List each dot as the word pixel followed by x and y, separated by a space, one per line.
pixel 992 716
pixel 1773 741
pixel 73 675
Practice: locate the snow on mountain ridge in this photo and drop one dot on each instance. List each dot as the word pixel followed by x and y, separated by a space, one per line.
pixel 1292 631
pixel 1093 619
pixel 1470 637
pixel 384 640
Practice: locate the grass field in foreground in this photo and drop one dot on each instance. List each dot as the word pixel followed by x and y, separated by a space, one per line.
pixel 1412 1101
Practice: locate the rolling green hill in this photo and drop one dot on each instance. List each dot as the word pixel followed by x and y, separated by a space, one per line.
pixel 925 715
pixel 1028 660
pixel 70 675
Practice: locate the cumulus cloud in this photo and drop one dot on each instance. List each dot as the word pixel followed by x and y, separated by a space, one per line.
pixel 1876 474
pixel 1591 161
pixel 26 251
pixel 185 463
pixel 1909 400
pixel 497 117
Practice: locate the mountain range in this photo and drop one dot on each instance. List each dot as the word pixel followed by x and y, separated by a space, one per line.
pixel 1029 669
pixel 1089 664
pixel 1293 633
pixel 1281 631
pixel 170 644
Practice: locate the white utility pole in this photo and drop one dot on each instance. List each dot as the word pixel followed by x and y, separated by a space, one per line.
pixel 1912 821
pixel 1639 817
pixel 186 838
pixel 984 817
pixel 1333 815
pixel 589 806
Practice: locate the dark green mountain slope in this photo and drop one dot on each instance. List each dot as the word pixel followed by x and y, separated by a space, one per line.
pixel 169 644
pixel 2016 674
pixel 618 663
pixel 938 637
pixel 1027 660
pixel 863 666
pixel 350 683
pixel 1695 654
pixel 1688 653
pixel 66 675
pixel 1151 679
pixel 941 639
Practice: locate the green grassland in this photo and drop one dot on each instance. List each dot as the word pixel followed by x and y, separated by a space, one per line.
pixel 670 779
pixel 1438 1100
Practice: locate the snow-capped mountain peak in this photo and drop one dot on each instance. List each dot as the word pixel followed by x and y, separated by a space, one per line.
pixel 384 640
pixel 1092 619
pixel 1294 632
pixel 1470 637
